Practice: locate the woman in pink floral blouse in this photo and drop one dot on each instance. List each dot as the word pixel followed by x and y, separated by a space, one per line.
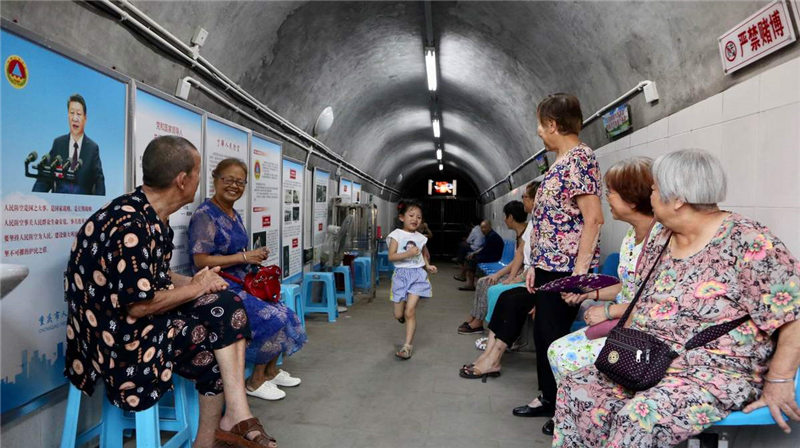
pixel 567 217
pixel 719 266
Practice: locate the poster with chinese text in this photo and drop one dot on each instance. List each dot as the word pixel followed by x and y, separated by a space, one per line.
pixel 320 224
pixel 154 117
pixel 265 197
pixel 224 140
pixel 292 248
pixel 346 190
pixel 63 157
pixel 356 193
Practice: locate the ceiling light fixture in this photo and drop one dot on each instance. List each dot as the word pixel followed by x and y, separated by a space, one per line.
pixel 441 167
pixel 437 131
pixel 438 154
pixel 430 67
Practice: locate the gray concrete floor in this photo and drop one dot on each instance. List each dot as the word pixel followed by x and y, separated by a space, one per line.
pixel 355 393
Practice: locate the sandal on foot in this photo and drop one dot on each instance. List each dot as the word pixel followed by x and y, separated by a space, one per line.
pixel 237 435
pixel 472 374
pixel 404 353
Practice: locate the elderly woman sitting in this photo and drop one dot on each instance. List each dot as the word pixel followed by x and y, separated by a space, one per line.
pixel 718 266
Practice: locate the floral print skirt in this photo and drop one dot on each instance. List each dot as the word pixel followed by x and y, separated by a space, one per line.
pixel 572 352
pixel 276 329
pixel 593 411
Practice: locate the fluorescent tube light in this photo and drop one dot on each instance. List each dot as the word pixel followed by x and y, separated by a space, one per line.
pixel 441 167
pixel 438 154
pixel 437 131
pixel 430 67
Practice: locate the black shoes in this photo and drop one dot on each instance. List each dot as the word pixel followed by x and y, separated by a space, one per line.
pixel 540 411
pixel 549 427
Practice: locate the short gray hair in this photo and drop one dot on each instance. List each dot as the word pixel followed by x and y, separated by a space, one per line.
pixel 693 176
pixel 164 158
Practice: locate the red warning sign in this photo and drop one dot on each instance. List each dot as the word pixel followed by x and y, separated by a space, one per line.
pixel 766 31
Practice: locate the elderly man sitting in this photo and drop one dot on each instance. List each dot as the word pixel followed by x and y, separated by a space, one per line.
pixel 491 251
pixel 133 322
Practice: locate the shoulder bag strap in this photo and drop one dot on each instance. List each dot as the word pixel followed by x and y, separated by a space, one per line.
pixel 625 316
pixel 712 333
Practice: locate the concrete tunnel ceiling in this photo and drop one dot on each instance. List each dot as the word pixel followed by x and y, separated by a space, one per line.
pixel 496 61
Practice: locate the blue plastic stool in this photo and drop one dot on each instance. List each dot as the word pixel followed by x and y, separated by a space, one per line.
pixel 328 303
pixel 182 419
pixel 363 268
pixel 291 295
pixel 347 294
pixel 493 295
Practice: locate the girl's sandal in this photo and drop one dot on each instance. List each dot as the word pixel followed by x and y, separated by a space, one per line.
pixel 404 353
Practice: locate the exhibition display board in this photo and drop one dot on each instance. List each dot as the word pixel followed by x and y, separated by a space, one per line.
pixel 265 196
pixel 225 139
pixel 320 209
pixel 79 125
pixel 292 233
pixel 153 117
pixel 356 193
pixel 346 190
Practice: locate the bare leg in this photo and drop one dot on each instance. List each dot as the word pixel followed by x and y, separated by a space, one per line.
pixel 411 317
pixel 210 413
pixel 272 368
pixel 490 343
pixel 399 310
pixel 490 361
pixel 470 278
pixel 258 377
pixel 231 366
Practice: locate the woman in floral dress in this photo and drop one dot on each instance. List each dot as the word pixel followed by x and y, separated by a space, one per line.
pixel 217 237
pixel 628 188
pixel 719 266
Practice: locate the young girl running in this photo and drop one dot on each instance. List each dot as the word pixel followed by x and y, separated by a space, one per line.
pixel 410 281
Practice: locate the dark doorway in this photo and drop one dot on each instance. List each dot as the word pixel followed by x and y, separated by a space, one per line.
pixel 449 217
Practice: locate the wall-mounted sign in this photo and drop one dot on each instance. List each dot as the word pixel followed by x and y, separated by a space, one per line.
pixel 356 193
pixel 765 32
pixel 796 10
pixel 617 120
pixel 292 233
pixel 346 190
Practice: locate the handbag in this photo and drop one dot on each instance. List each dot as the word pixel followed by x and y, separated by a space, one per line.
pixel 264 283
pixel 600 330
pixel 637 360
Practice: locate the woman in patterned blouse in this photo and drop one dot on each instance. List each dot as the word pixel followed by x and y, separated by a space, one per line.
pixel 718 266
pixel 566 225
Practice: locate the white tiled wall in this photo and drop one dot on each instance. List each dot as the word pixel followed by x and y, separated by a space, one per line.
pixel 753 127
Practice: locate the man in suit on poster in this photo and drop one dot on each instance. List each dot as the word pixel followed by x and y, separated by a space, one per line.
pixel 81 152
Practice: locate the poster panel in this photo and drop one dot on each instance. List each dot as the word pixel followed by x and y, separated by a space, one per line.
pixel 154 117
pixel 320 223
pixel 265 197
pixel 356 193
pixel 292 247
pixel 346 190
pixel 223 140
pixel 45 203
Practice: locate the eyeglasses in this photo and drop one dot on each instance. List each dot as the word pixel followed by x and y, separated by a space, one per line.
pixel 228 181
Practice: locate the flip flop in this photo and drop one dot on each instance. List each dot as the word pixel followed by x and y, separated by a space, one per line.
pixel 472 374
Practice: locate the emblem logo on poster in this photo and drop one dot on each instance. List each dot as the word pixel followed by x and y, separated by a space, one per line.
pixel 266 221
pixel 257 170
pixel 16 72
pixel 319 227
pixel 292 174
pixel 295 242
